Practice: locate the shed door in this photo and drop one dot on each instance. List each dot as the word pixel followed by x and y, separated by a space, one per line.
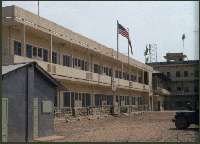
pixel 4 119
pixel 35 117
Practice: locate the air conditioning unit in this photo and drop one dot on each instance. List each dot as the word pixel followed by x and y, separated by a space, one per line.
pixel 89 76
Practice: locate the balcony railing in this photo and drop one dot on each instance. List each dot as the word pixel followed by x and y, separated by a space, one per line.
pixel 86 76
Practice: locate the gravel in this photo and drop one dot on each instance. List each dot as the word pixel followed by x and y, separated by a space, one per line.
pixel 146 127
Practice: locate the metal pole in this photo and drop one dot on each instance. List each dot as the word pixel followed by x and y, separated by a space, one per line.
pixel 51 51
pixel 128 59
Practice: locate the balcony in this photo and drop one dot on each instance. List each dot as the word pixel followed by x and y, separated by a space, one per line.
pixel 189 78
pixel 72 74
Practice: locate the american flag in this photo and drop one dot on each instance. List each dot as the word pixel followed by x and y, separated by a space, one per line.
pixel 123 31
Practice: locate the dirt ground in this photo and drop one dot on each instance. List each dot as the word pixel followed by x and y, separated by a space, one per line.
pixel 146 127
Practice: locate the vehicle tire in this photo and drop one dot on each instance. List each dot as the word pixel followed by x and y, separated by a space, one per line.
pixel 181 123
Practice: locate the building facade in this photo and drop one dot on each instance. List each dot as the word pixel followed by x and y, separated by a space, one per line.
pixel 91 73
pixel 184 80
pixel 160 83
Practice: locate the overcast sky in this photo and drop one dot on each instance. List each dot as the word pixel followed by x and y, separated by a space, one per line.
pixel 162 23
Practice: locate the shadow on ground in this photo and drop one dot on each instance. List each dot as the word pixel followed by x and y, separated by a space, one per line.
pixel 188 129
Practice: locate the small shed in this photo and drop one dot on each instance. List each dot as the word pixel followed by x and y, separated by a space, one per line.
pixel 28 94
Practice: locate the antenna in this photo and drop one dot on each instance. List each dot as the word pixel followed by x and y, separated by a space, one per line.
pixel 150 53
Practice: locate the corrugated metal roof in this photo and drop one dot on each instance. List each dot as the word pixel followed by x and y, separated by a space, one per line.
pixel 9 68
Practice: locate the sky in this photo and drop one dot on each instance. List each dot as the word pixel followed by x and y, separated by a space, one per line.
pixel 155 22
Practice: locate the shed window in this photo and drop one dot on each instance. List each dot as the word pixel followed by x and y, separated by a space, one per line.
pixel 29 51
pixel 17 48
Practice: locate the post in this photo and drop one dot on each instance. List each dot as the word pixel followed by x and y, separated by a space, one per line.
pixel 115 89
pixel 51 51
pixel 24 40
pixel 128 59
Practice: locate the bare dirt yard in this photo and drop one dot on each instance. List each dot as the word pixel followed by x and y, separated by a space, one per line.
pixel 145 127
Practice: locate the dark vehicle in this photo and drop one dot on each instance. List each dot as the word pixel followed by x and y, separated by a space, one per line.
pixel 183 119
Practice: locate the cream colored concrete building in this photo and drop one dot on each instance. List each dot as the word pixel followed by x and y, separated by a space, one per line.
pixel 184 80
pixel 82 65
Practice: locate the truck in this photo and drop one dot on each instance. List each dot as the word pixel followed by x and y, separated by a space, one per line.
pixel 183 119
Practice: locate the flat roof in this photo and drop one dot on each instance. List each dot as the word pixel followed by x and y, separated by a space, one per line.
pixel 175 62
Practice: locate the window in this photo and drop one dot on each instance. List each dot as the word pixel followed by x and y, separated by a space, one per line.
pixel 29 51
pixel 169 89
pixel 80 96
pixel 178 74
pixel 168 74
pixel 17 48
pixel 66 60
pixel 66 99
pixel 54 57
pixel 83 100
pixel 196 89
pixel 75 62
pixel 86 66
pixel 96 68
pixel 133 100
pixel 35 51
pixel 79 62
pixel 76 96
pixel 40 52
pixel 45 55
pixel 186 89
pixel 178 88
pixel 110 72
pixel 82 65
pixel 88 102
pixel 185 73
pixel 116 74
pixel 120 74
pixel 109 100
pixel 196 73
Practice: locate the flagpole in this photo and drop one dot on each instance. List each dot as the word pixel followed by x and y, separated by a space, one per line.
pixel 38 8
pixel 128 59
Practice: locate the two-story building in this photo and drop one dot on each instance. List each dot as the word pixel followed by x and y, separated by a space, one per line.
pixel 90 71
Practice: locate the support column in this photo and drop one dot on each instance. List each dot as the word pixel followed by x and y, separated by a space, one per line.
pixel 137 79
pixel 61 103
pixel 24 41
pixel 51 49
